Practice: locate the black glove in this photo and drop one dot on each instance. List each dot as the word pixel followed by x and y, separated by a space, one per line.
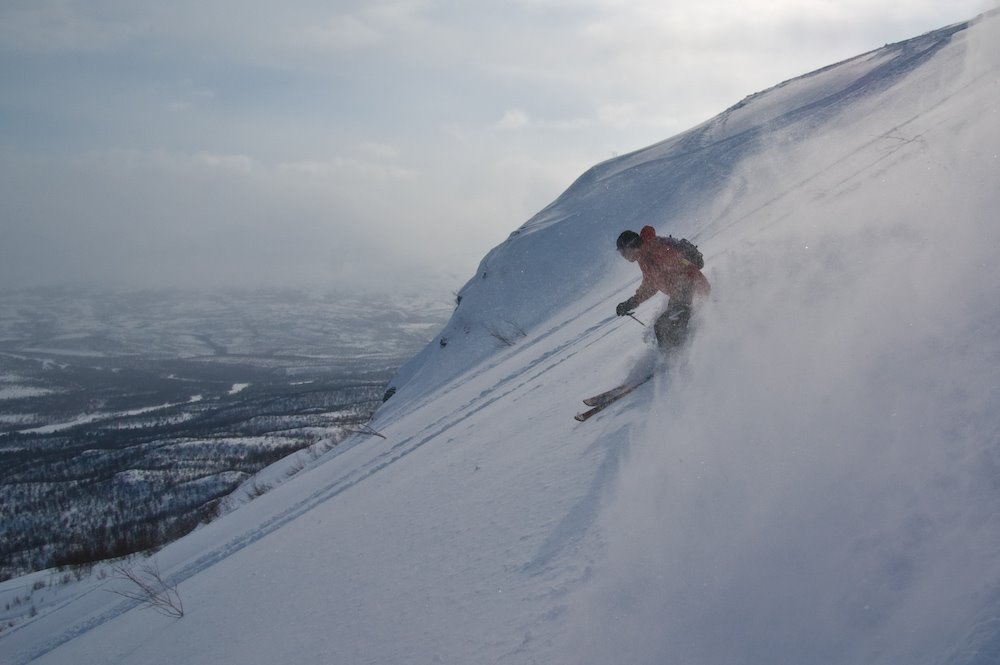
pixel 625 308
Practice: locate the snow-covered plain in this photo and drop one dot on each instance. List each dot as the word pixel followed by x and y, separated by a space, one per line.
pixel 816 481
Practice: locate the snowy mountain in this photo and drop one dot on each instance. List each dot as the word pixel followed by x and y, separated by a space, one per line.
pixel 817 481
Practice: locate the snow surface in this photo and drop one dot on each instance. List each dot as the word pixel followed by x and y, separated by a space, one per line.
pixel 816 481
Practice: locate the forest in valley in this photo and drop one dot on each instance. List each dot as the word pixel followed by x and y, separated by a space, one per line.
pixel 126 421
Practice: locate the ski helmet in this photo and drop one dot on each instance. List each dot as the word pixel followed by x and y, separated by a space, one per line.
pixel 628 239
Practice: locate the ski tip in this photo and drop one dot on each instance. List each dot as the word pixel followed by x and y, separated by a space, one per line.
pixel 580 417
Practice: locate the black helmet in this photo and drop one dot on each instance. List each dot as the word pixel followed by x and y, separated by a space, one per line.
pixel 628 239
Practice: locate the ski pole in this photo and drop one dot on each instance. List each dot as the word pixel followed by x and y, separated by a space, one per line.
pixel 632 316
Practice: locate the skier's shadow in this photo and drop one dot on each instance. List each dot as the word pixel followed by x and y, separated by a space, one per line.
pixel 614 445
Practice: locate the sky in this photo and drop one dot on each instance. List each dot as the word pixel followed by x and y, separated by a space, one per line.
pixel 367 146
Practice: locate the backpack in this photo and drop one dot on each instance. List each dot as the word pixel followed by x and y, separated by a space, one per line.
pixel 688 250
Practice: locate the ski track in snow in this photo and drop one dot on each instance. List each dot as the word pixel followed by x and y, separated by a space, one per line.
pixel 587 338
pixel 856 174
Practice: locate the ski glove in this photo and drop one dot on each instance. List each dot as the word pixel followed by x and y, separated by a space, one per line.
pixel 625 308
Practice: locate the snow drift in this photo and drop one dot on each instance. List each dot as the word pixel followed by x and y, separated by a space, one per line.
pixel 817 480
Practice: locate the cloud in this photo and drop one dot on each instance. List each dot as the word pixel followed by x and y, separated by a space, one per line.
pixel 238 163
pixel 617 116
pixel 374 24
pixel 346 167
pixel 343 32
pixel 513 119
pixel 516 119
pixel 191 97
pixel 53 27
pixel 379 150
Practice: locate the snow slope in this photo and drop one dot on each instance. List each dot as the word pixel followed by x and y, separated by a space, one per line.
pixel 817 481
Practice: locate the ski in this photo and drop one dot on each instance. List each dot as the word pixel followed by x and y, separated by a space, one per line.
pixel 616 392
pixel 607 398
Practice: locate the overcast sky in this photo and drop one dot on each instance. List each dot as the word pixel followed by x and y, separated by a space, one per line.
pixel 363 144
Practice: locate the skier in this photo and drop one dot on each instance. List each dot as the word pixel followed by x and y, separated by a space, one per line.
pixel 669 265
pixel 664 268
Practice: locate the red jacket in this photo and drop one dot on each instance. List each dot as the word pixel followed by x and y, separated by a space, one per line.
pixel 665 269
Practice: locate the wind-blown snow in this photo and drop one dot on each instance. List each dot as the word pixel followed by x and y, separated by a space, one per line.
pixel 816 481
pixel 823 485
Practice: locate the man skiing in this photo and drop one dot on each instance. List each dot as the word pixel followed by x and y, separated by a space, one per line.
pixel 669 265
pixel 666 268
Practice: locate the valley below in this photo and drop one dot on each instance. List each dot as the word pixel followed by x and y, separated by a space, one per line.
pixel 127 419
